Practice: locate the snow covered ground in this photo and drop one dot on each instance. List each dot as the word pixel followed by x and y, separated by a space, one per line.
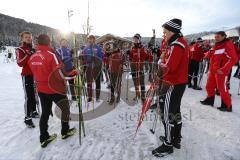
pixel 207 133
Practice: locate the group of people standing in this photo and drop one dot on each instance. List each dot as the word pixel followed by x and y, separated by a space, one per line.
pixel 178 64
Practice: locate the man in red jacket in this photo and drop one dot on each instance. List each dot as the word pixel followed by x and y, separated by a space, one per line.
pixel 23 54
pixel 116 60
pixel 51 87
pixel 196 56
pixel 174 72
pixel 138 57
pixel 223 58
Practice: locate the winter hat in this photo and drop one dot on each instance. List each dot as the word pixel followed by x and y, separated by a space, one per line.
pixel 43 39
pixel 222 33
pixel 199 39
pixel 174 25
pixel 138 36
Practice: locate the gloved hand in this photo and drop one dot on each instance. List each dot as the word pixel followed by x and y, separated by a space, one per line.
pixel 73 73
pixel 32 51
pixel 60 66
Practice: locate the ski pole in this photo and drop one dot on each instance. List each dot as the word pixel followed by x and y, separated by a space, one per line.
pixel 128 73
pixel 155 117
pixel 239 88
pixel 152 130
pixel 37 98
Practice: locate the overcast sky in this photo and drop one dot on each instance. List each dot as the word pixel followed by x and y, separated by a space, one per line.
pixel 127 17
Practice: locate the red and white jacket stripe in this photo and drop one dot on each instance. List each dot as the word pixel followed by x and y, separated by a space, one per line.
pixel 23 55
pixel 175 64
pixel 222 56
pixel 47 71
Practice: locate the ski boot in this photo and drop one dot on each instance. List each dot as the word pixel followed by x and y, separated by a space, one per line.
pixel 29 123
pixel 118 99
pixel 35 114
pixel 163 150
pixel 69 133
pixel 154 106
pixel 208 101
pixel 89 99
pixel 224 108
pixel 194 87
pixel 48 140
pixel 111 100
pixel 137 96
pixel 190 85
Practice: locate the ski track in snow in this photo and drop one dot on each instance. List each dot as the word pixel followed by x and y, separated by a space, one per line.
pixel 207 133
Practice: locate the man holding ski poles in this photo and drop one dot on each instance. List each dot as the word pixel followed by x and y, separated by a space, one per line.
pixel 23 54
pixel 137 58
pixel 50 80
pixel 93 57
pixel 116 60
pixel 195 59
pixel 66 56
pixel 174 72
pixel 223 57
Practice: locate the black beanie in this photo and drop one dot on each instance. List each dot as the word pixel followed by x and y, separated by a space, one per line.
pixel 174 25
pixel 199 39
pixel 43 39
pixel 138 36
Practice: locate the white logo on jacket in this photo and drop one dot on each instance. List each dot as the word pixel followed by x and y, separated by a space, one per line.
pixel 37 63
pixel 220 51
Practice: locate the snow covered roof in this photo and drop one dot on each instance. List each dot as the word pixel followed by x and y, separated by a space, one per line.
pixel 233 32
pixel 208 37
pixel 109 37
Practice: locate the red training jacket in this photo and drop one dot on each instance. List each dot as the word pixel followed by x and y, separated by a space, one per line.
pixel 138 57
pixel 175 63
pixel 116 60
pixel 196 53
pixel 23 55
pixel 47 72
pixel 223 57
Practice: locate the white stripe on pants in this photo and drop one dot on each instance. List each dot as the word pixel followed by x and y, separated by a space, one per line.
pixel 25 96
pixel 166 113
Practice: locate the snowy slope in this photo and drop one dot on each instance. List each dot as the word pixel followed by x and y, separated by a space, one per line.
pixel 207 133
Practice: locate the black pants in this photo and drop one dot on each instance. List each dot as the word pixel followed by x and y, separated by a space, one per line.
pixel 138 80
pixel 171 113
pixel 237 73
pixel 116 81
pixel 72 88
pixel 30 101
pixel 193 72
pixel 46 102
pixel 91 75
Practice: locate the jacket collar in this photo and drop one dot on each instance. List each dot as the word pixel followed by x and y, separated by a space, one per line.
pixel 222 42
pixel 26 45
pixel 174 37
pixel 138 45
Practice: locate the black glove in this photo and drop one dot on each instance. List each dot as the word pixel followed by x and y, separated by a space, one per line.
pixel 32 51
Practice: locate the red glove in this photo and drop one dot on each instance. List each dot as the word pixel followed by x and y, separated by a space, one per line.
pixel 73 73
